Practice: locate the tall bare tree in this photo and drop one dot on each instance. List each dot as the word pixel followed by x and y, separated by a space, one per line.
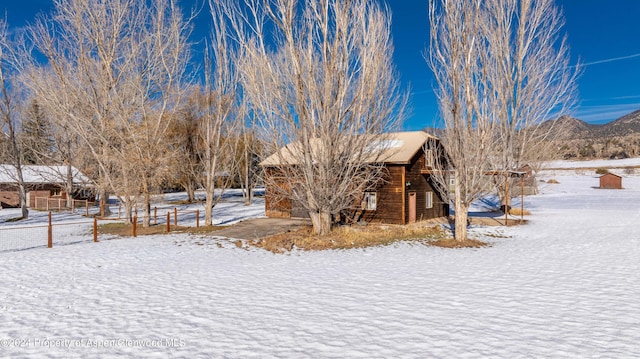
pixel 11 108
pixel 501 71
pixel 456 57
pixel 115 74
pixel 528 67
pixel 223 111
pixel 320 79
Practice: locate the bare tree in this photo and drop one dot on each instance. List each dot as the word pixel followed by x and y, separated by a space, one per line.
pixel 248 156
pixel 115 74
pixel 11 108
pixel 502 71
pixel 184 140
pixel 456 56
pixel 527 65
pixel 223 111
pixel 320 79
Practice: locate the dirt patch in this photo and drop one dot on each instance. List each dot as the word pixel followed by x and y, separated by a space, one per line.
pixel 347 237
pixel 496 221
pixel 126 229
pixel 452 243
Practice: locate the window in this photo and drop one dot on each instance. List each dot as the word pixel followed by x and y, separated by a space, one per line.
pixel 56 192
pixel 428 158
pixel 369 201
pixel 429 200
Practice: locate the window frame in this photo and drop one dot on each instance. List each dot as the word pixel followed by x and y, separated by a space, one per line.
pixel 366 204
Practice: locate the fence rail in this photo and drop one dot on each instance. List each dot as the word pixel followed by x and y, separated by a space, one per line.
pixel 61 231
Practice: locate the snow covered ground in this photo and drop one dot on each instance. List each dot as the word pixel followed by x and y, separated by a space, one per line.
pixel 565 285
pixel 627 162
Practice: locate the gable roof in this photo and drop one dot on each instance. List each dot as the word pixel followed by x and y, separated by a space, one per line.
pixel 397 148
pixel 610 174
pixel 42 174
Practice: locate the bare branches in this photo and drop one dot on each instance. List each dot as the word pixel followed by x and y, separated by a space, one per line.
pixel 322 84
pixel 501 71
pixel 115 75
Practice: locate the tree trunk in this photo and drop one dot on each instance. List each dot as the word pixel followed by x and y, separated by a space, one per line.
pixel 147 210
pixel 208 206
pixel 128 209
pixel 105 211
pixel 321 222
pixel 247 191
pixel 461 213
pixel 190 188
pixel 23 198
pixel 69 185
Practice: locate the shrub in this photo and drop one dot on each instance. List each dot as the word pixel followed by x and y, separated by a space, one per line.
pixel 518 212
pixel 602 171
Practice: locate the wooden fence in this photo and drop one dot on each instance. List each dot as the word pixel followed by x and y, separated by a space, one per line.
pixel 53 233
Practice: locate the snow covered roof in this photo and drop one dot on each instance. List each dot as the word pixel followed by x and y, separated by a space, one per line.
pixel 398 147
pixel 41 174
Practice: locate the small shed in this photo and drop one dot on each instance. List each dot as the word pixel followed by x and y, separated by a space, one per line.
pixel 610 181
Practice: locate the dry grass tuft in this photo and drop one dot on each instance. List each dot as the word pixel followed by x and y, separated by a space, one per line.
pixel 346 237
pixel 126 229
pixel 519 212
pixel 553 181
pixel 452 243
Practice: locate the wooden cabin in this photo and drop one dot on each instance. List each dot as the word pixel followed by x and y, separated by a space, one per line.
pixel 610 181
pixel 406 194
pixel 43 183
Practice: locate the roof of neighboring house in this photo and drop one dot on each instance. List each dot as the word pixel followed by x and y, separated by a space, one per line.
pixel 41 174
pixel 610 174
pixel 396 147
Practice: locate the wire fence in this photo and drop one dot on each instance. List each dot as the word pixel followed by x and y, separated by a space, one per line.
pixel 15 237
pixel 62 229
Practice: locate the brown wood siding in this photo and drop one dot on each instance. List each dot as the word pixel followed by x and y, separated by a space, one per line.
pixel 421 184
pixel 276 205
pixel 9 199
pixel 610 181
pixel 389 199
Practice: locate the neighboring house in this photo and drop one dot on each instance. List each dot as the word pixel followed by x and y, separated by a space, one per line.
pixel 526 180
pixel 42 182
pixel 405 195
pixel 610 181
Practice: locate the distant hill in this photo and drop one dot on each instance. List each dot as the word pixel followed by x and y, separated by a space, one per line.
pixel 577 139
pixel 573 128
pixel 616 139
pixel 623 126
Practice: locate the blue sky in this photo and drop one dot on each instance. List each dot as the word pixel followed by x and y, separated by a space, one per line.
pixel 603 34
